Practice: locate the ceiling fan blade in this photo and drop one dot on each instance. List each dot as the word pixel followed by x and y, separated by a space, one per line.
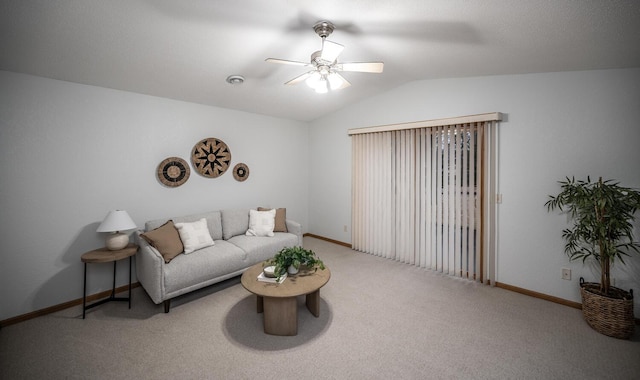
pixel 363 67
pixel 330 51
pixel 287 62
pixel 300 78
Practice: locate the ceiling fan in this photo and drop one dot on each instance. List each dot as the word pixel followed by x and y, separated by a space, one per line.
pixel 324 75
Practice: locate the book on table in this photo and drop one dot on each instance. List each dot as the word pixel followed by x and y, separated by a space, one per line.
pixel 274 280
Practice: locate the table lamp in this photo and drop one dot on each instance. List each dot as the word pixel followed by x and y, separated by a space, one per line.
pixel 116 221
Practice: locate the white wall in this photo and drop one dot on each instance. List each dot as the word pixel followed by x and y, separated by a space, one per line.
pixel 70 153
pixel 557 125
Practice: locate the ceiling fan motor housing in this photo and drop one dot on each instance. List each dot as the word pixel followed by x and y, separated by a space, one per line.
pixel 316 59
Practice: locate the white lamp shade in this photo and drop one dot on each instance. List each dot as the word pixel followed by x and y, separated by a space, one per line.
pixel 116 220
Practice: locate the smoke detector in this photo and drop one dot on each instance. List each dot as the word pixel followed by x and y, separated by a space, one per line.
pixel 235 79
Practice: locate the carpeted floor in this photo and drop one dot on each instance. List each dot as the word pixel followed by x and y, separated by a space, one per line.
pixel 379 319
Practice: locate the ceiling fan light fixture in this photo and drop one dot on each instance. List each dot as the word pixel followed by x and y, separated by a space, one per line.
pixel 318 82
pixel 322 87
pixel 323 80
pixel 335 81
pixel 313 79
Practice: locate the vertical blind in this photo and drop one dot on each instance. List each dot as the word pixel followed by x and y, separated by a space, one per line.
pixel 418 196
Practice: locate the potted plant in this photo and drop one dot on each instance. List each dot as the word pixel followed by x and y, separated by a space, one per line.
pixel 603 215
pixel 290 259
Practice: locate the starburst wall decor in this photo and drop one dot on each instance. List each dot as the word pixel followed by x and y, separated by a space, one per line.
pixel 211 157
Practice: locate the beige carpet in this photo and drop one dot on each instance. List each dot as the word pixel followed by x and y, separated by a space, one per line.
pixel 379 320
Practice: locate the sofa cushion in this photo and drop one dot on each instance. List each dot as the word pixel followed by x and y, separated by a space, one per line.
pixel 214 222
pixel 261 223
pixel 281 219
pixel 203 265
pixel 194 235
pixel 166 240
pixel 234 222
pixel 260 248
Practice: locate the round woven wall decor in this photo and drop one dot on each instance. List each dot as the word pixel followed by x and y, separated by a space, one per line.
pixel 173 171
pixel 211 157
pixel 241 172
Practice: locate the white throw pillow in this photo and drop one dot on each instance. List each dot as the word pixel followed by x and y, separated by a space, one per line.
pixel 261 223
pixel 194 235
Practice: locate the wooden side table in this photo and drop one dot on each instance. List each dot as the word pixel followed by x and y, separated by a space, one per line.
pixel 103 255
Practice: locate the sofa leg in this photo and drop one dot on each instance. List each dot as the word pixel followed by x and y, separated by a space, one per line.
pixel 167 305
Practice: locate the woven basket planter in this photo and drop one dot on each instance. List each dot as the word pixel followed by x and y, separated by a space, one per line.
pixel 608 316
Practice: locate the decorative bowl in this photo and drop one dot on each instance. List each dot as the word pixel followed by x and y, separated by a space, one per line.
pixel 269 271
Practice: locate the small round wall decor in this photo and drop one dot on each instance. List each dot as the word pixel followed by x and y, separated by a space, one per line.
pixel 211 157
pixel 241 172
pixel 173 171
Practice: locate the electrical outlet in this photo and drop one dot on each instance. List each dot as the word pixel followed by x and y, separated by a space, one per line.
pixel 566 274
pixel 498 198
pixel 345 228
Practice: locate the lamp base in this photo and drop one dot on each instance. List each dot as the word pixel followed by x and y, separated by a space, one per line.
pixel 117 241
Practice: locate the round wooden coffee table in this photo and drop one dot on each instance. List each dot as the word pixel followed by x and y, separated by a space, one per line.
pixel 278 301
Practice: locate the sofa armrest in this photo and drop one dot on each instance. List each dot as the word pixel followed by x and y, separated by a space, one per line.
pixel 295 228
pixel 150 269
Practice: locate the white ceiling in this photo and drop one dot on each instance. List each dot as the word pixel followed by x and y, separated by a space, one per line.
pixel 186 49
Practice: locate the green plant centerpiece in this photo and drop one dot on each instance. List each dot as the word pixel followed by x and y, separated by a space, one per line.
pixel 603 216
pixel 294 257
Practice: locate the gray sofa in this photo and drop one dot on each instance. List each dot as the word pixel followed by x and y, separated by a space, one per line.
pixel 232 253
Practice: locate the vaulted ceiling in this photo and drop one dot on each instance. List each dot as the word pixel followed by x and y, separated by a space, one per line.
pixel 186 49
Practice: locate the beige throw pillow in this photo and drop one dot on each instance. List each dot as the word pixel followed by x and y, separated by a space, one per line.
pixel 166 240
pixel 281 219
